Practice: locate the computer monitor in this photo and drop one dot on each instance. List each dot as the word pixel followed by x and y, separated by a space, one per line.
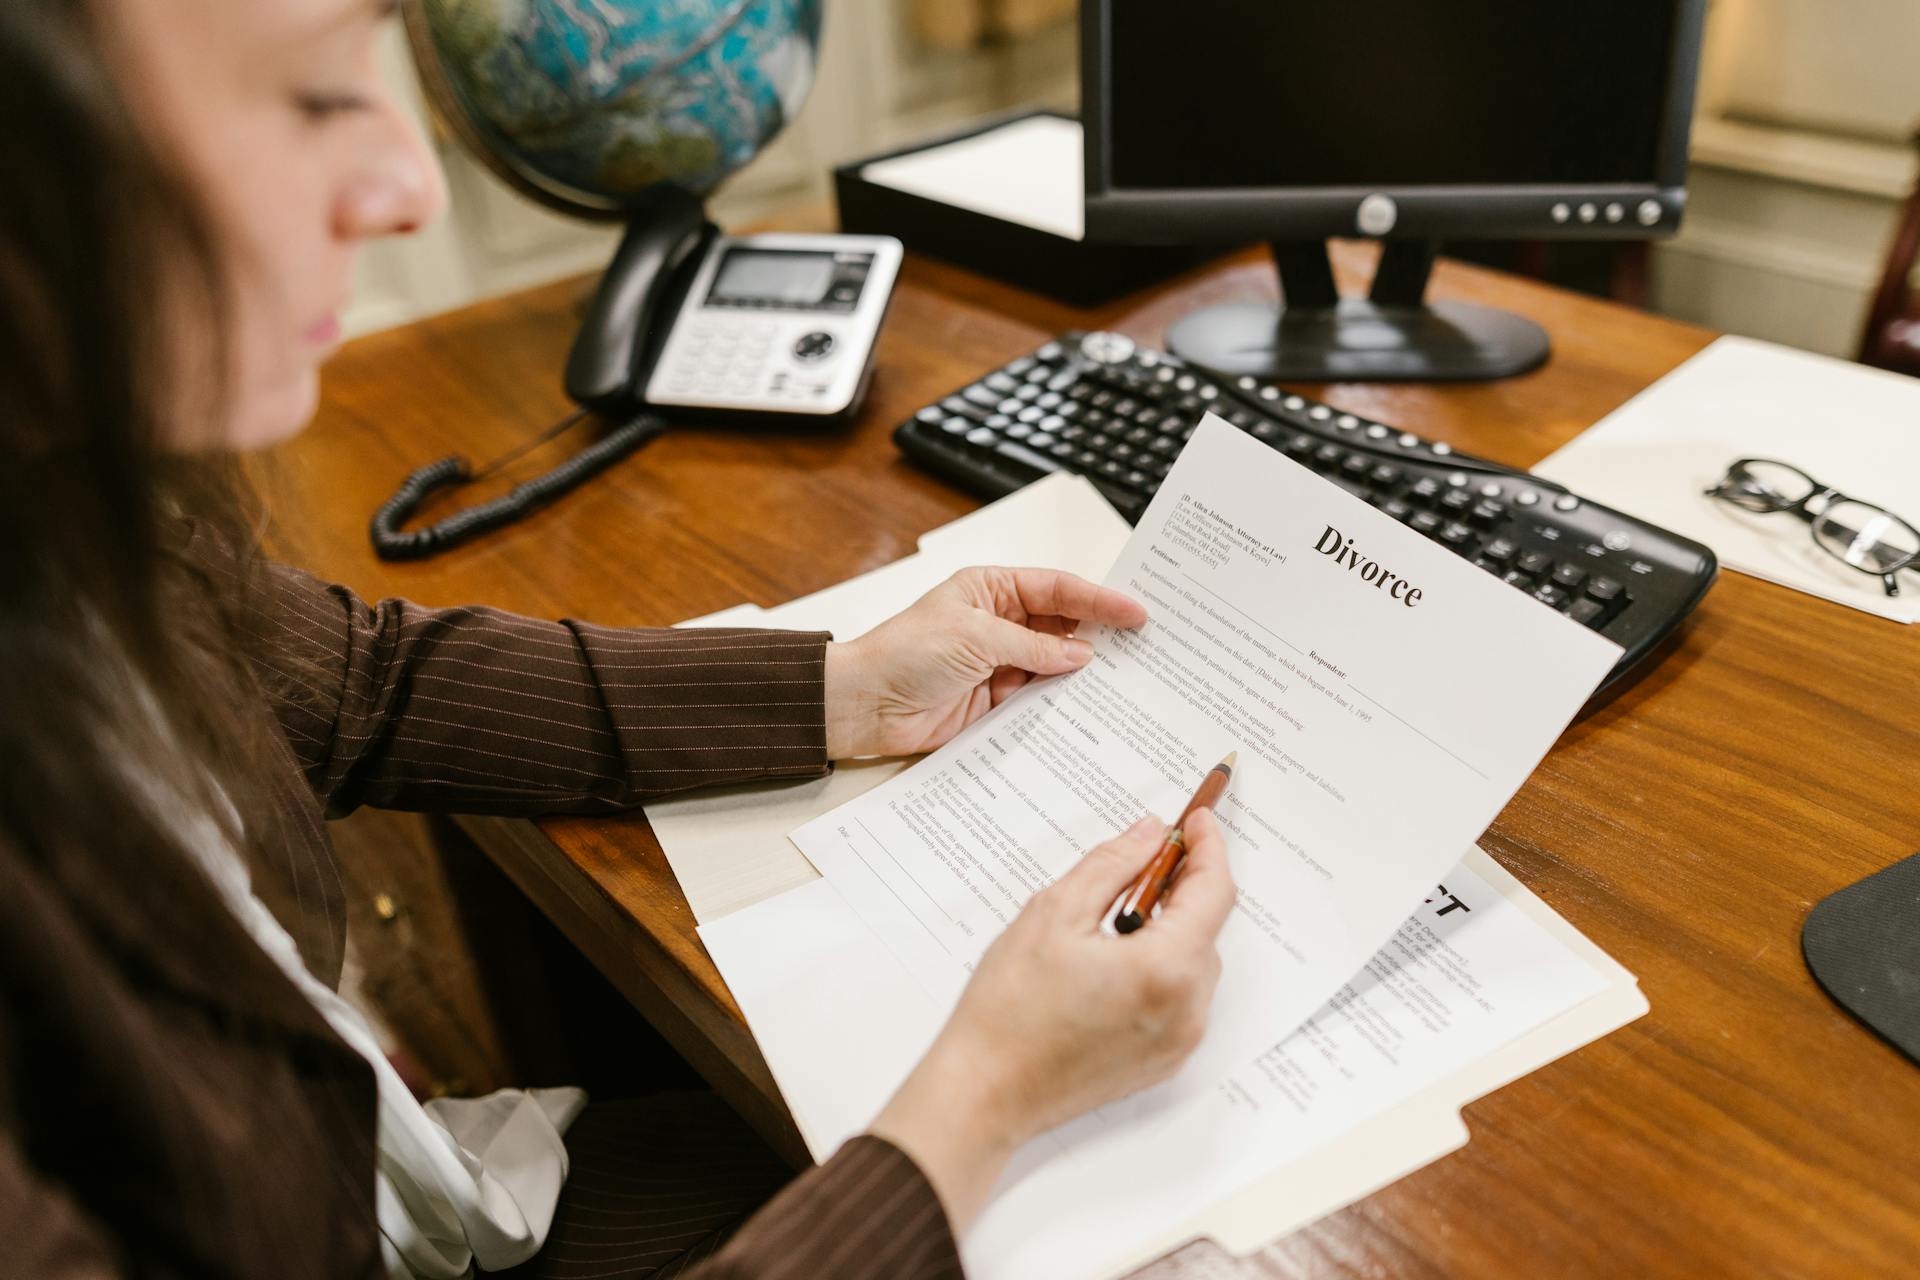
pixel 1402 120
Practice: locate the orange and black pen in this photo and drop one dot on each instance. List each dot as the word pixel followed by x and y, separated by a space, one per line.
pixel 1137 903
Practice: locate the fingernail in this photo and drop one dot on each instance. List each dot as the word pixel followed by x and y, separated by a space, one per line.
pixel 1078 652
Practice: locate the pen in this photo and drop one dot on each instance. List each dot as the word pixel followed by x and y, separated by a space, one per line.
pixel 1137 903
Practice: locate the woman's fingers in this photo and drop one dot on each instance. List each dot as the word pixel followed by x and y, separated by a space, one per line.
pixel 1055 592
pixel 1088 891
pixel 1008 644
pixel 1202 896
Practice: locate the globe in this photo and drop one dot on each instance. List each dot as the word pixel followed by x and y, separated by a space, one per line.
pixel 586 104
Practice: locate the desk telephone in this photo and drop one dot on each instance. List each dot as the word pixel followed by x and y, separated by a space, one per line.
pixel 704 326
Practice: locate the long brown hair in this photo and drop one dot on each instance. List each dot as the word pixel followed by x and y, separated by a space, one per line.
pixel 125 570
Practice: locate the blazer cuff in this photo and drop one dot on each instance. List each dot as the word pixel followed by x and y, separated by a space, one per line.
pixel 696 707
pixel 868 1213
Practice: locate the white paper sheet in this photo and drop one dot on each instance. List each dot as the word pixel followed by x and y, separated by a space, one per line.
pixel 1028 172
pixel 728 846
pixel 841 1024
pixel 1380 726
pixel 1851 427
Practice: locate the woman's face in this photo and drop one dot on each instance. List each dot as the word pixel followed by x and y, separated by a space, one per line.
pixel 278 114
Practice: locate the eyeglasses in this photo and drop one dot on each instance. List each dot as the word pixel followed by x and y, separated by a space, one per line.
pixel 1869 538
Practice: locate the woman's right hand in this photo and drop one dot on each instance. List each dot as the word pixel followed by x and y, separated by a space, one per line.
pixel 1061 1017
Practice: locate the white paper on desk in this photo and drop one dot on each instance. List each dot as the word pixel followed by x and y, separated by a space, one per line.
pixel 1377 738
pixel 1476 994
pixel 728 846
pixel 1027 172
pixel 1851 427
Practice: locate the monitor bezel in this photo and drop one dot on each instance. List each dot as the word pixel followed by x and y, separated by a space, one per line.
pixel 1479 211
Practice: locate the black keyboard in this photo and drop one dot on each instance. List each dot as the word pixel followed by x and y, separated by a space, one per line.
pixel 1097 405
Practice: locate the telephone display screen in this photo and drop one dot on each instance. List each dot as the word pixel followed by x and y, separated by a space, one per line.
pixel 767 277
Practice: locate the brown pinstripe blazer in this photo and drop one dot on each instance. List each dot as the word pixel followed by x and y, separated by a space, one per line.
pixel 171 1105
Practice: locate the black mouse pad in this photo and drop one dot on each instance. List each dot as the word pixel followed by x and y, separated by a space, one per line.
pixel 1863 945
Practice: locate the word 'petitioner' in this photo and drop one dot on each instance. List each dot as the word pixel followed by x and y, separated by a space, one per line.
pixel 1340 547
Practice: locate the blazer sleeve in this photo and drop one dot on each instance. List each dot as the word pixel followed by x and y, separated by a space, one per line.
pixel 479 711
pixel 866 1214
pixel 47 1234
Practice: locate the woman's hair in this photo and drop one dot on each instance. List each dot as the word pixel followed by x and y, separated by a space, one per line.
pixel 125 655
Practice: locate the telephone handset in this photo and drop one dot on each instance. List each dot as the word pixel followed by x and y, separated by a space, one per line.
pixel 647 279
pixel 698 324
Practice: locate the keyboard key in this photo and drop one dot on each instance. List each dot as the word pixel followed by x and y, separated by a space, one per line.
pixel 932 415
pixel 1535 563
pixel 1002 382
pixel 1300 446
pixel 1488 514
pixel 1455 501
pixel 1425 489
pixel 1398 510
pixel 1356 466
pixel 981 396
pixel 1587 612
pixel 1139 435
pixel 1026 457
pixel 1569 576
pixel 1515 578
pixel 1032 413
pixel 1040 440
pixel 1266 430
pixel 1499 550
pixel 1548 594
pixel 957 426
pixel 1328 455
pixel 1456 534
pixel 1605 590
pixel 1425 521
pixel 966 408
pixel 986 437
pixel 1385 474
pixel 1491 566
pixel 1166 444
pixel 1049 400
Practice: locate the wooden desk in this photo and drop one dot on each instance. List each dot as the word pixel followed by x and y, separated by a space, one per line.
pixel 1745 1127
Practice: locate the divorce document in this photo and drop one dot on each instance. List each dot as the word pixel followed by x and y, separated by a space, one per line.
pixel 1386 699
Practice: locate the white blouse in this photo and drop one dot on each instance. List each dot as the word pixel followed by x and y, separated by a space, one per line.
pixel 458 1181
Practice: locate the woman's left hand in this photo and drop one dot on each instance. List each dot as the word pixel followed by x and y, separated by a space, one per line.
pixel 920 677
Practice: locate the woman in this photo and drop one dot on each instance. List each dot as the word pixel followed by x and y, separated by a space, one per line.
pixel 181 1091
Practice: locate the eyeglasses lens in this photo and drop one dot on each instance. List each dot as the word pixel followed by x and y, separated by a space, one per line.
pixel 1760 485
pixel 1867 537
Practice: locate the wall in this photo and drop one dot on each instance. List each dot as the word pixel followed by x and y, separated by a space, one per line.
pixel 877 86
pixel 1800 160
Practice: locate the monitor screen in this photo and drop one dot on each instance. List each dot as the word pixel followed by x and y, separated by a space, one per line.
pixel 1212 94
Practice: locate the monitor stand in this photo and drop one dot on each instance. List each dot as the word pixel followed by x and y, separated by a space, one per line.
pixel 1391 335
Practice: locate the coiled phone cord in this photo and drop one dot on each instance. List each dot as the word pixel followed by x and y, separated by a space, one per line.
pixel 392 542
